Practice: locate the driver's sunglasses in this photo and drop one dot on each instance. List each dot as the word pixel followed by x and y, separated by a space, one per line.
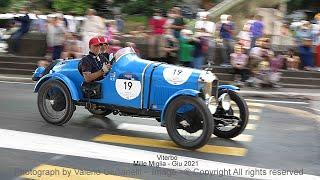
pixel 104 44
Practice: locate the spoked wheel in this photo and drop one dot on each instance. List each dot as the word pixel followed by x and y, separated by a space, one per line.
pixel 100 112
pixel 232 115
pixel 189 122
pixel 54 102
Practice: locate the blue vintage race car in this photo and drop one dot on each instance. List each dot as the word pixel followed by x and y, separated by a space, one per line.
pixel 188 102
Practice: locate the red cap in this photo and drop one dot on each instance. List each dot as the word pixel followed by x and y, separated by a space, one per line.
pixel 94 41
pixel 103 40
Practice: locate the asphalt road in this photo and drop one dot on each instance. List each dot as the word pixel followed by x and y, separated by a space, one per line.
pixel 280 136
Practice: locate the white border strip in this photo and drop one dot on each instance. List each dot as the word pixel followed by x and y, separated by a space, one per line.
pixel 51 144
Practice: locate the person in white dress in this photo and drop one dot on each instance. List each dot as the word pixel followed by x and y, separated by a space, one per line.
pixel 93 26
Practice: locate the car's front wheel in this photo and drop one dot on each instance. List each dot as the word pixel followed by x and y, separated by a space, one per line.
pixel 231 122
pixel 189 122
pixel 55 103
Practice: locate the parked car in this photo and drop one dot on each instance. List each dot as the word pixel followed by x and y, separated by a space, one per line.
pixel 188 102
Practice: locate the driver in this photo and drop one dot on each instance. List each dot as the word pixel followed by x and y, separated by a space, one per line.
pixel 93 67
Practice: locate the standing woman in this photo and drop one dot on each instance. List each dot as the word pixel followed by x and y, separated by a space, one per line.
pixel 304 37
pixel 49 38
pixel 157 27
pixel 92 26
pixel 58 38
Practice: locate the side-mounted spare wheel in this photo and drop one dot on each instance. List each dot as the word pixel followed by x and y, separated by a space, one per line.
pixel 189 122
pixel 55 103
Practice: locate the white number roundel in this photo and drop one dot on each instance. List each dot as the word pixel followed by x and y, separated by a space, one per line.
pixel 128 89
pixel 176 75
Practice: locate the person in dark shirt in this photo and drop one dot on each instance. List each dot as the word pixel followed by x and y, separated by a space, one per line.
pixel 24 28
pixel 92 65
pixel 227 29
pixel 256 29
pixel 178 23
pixel 198 54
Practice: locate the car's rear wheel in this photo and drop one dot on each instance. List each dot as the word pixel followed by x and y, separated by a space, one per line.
pixel 55 103
pixel 189 122
pixel 100 112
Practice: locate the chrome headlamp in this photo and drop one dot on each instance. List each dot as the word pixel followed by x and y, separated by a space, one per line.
pixel 207 78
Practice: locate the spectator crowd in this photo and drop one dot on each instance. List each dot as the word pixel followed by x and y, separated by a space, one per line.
pixel 249 52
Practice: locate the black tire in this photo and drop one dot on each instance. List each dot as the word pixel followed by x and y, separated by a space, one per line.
pixel 244 116
pixel 100 112
pixel 64 100
pixel 171 124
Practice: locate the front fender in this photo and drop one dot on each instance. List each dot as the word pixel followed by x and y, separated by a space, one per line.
pixel 229 87
pixel 57 76
pixel 184 92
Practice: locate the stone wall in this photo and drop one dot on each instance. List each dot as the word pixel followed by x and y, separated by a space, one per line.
pixel 31 44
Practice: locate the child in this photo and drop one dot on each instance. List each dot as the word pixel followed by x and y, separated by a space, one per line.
pixel 245 38
pixel 239 62
pixel 72 47
pixel 268 70
pixel 292 61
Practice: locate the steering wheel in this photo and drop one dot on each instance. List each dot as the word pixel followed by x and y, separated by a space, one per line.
pixel 111 58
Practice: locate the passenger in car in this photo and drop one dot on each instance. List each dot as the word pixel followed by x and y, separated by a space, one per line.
pixel 104 48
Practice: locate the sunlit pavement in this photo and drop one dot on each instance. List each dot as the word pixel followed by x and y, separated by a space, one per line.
pixel 281 135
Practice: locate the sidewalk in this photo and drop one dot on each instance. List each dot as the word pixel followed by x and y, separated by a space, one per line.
pixel 284 93
pixel 16 78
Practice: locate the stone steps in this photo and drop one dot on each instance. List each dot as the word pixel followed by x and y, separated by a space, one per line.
pixel 21 59
pixel 18 65
pixel 16 71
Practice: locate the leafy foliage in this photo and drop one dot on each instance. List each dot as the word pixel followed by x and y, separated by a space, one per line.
pixel 77 6
pixel 146 7
pixel 5 3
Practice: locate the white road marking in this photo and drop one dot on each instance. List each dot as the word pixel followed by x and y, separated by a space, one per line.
pixel 65 146
pixel 251 117
pixel 273 101
pixel 251 104
pixel 251 126
pixel 254 110
pixel 318 110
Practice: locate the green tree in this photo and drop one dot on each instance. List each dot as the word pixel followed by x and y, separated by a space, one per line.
pixel 5 3
pixel 77 6
pixel 146 7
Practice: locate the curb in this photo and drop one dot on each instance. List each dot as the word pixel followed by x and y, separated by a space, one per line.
pixel 281 95
pixel 16 79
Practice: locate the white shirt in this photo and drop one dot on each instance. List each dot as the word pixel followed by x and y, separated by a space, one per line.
pixel 209 26
pixel 316 33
